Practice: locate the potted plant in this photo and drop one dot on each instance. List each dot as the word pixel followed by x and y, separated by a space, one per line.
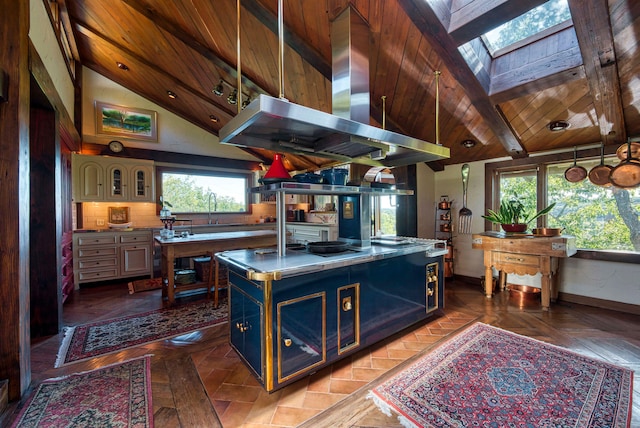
pixel 165 212
pixel 512 215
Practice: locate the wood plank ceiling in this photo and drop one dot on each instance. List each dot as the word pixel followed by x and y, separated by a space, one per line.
pixel 585 72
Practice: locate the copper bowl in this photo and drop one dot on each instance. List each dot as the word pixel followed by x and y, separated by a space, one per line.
pixel 524 295
pixel 547 231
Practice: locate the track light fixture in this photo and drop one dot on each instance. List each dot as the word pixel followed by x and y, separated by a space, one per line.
pixel 213 118
pixel 245 103
pixel 172 95
pixel 122 66
pixel 233 97
pixel 219 90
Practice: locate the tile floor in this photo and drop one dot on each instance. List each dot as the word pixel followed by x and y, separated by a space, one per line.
pixel 240 401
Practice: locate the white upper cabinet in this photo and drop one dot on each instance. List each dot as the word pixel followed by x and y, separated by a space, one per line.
pixel 104 178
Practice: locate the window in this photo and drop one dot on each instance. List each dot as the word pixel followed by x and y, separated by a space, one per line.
pixel 529 24
pixel 198 191
pixel 592 213
pixel 604 220
pixel 384 215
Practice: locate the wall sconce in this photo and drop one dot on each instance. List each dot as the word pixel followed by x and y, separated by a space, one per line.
pixel 219 90
pixel 233 97
pixel 558 125
pixel 172 95
pixel 467 144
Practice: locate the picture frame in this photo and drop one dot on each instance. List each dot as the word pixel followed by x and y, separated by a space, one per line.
pixel 119 215
pixel 129 122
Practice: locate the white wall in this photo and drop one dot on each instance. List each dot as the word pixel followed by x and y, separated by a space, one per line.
pixel 45 42
pixel 174 133
pixel 617 282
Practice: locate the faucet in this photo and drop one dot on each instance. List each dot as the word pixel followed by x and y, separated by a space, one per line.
pixel 215 205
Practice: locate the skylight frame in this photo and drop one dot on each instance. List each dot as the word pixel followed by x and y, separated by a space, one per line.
pixel 496 51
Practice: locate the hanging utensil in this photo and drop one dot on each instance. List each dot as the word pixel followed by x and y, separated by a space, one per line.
pixel 576 173
pixel 599 174
pixel 626 174
pixel 465 214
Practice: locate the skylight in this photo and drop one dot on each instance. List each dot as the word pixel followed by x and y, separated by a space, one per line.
pixel 526 25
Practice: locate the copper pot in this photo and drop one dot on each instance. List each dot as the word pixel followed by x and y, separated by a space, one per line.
pixel 445 228
pixel 576 173
pixel 599 174
pixel 444 204
pixel 626 174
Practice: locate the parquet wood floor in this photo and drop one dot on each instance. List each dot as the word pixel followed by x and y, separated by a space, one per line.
pixel 198 381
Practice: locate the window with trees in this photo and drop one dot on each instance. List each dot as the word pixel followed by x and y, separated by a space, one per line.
pixel 200 191
pixel 603 219
pixel 527 26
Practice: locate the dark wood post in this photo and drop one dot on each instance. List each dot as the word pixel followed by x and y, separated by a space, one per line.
pixel 15 351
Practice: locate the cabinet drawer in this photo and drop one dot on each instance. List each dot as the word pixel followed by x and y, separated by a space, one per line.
pixel 98 263
pixel 130 239
pixel 516 259
pixel 98 275
pixel 96 252
pixel 96 240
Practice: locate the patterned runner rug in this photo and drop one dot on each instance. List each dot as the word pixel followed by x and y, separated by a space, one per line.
pixel 486 376
pixel 118 395
pixel 91 340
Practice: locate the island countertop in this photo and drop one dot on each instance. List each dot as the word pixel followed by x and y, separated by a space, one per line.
pixel 299 262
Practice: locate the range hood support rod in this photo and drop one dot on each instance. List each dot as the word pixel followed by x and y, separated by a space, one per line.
pixel 437 73
pixel 280 50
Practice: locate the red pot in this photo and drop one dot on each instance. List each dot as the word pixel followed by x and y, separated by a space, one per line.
pixel 518 228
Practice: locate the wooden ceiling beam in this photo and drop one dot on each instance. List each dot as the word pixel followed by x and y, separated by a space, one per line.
pixel 476 17
pixel 223 63
pixel 295 42
pixel 91 33
pixel 428 17
pixel 593 27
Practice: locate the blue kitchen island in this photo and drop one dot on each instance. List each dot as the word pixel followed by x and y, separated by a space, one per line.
pixel 291 315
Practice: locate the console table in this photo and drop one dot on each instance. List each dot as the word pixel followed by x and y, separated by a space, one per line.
pixel 524 254
pixel 202 243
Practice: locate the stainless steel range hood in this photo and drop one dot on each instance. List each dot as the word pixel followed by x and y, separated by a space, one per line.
pixel 281 126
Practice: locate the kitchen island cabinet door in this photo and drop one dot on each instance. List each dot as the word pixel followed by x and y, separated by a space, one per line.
pixel 301 335
pixel 246 327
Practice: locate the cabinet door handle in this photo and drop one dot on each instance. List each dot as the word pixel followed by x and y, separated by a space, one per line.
pixel 287 342
pixel 514 259
pixel 429 291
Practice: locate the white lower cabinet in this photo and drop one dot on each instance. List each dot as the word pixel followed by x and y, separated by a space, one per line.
pixel 101 256
pixel 302 233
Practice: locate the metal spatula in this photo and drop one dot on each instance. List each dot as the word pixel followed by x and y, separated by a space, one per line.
pixel 465 215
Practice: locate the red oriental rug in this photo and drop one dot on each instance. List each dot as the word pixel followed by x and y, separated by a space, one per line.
pixel 104 337
pixel 489 377
pixel 118 395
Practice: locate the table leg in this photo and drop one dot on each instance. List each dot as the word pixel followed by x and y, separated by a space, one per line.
pixel 216 281
pixel 488 275
pixel 170 259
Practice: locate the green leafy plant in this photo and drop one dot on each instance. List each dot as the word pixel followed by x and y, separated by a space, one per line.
pixel 513 211
pixel 164 203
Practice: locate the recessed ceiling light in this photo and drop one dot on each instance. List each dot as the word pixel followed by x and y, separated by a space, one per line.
pixel 172 95
pixel 467 144
pixel 558 125
pixel 122 66
pixel 213 118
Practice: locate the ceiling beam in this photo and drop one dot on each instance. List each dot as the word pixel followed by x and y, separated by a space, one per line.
pixel 477 17
pixel 225 64
pixel 306 51
pixel 428 17
pixel 93 34
pixel 593 27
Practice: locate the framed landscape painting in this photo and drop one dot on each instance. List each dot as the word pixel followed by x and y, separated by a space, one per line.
pixel 135 123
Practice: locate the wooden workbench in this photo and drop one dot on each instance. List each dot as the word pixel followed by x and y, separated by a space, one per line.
pixel 202 243
pixel 524 255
